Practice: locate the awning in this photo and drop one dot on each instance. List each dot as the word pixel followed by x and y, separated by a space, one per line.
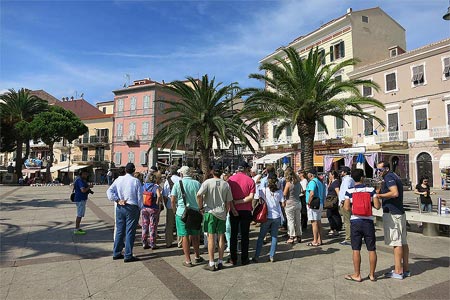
pixel 444 162
pixel 271 158
pixel 72 168
pixel 55 168
pixel 31 171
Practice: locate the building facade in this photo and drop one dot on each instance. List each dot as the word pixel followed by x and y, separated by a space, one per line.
pixel 415 89
pixel 367 35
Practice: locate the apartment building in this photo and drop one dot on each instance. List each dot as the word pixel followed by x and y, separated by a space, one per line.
pixel 367 35
pixel 415 88
pixel 107 107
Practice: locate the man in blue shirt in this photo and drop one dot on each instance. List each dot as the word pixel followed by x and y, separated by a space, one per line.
pixel 82 188
pixel 394 220
pixel 126 191
pixel 315 189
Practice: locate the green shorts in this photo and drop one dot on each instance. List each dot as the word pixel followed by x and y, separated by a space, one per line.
pixel 181 228
pixel 212 224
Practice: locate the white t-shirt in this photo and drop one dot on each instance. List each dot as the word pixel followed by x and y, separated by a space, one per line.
pixel 216 192
pixel 273 200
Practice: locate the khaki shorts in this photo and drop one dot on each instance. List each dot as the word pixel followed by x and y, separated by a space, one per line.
pixel 394 229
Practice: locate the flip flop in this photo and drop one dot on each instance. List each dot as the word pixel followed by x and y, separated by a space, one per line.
pixel 371 279
pixel 312 244
pixel 349 277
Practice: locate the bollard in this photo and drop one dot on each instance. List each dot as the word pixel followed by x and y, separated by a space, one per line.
pixel 439 208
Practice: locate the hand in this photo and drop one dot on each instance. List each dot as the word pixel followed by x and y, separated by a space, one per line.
pixel 122 202
pixel 234 212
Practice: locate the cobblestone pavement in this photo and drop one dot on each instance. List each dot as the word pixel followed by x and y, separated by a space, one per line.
pixel 42 259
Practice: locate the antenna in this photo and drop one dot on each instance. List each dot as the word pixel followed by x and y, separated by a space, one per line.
pixel 127 82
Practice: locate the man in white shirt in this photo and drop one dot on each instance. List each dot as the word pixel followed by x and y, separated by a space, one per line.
pixel 126 191
pixel 347 182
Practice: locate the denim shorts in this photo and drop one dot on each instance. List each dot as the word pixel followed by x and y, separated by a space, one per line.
pixel 81 208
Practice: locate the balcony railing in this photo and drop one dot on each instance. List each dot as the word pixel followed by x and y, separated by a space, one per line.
pixel 440 132
pixel 320 136
pixel 90 158
pixel 93 139
pixel 131 138
pixel 343 132
pixel 391 136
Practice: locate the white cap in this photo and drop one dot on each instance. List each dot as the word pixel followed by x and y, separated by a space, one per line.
pixel 185 170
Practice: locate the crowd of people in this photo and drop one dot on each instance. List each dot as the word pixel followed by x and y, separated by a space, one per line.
pixel 221 209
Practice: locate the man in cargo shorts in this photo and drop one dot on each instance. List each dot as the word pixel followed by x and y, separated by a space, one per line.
pixel 214 198
pixel 394 220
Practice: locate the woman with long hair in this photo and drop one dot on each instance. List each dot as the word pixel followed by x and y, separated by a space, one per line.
pixel 150 211
pixel 273 197
pixel 423 190
pixel 333 215
pixel 293 206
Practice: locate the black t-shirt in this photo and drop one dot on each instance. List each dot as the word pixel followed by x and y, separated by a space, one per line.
pixel 393 205
pixel 332 188
pixel 424 199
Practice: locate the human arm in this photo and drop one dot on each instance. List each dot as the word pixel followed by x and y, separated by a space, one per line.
pixel 376 202
pixel 286 190
pixel 347 205
pixel 249 198
pixel 200 202
pixel 392 193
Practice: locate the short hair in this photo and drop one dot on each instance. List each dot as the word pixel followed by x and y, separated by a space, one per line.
pixel 217 172
pixel 357 175
pixel 385 164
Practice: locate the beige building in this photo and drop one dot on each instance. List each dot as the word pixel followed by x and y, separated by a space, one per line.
pixel 107 107
pixel 367 35
pixel 415 88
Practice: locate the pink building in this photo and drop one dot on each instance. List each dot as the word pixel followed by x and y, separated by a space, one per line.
pixel 137 113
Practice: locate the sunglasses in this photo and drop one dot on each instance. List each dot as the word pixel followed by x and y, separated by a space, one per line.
pixel 381 169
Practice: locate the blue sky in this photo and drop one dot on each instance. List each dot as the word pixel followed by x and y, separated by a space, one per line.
pixel 73 47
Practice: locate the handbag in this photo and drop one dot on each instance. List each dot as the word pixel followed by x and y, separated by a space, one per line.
pixel 191 218
pixel 260 212
pixel 315 203
pixel 330 202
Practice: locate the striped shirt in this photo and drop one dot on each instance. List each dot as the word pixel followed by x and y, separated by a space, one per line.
pixel 360 188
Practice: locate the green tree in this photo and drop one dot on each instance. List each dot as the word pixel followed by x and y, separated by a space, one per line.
pixel 15 109
pixel 203 113
pixel 54 125
pixel 301 92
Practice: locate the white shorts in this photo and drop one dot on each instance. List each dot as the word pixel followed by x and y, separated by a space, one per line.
pixel 315 214
pixel 394 229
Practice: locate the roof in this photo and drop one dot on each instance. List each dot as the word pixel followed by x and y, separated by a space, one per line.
pixel 82 108
pixel 45 96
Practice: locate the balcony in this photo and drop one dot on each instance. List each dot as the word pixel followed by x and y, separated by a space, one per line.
pixel 440 132
pixel 92 140
pixel 343 132
pixel 320 136
pixel 90 159
pixel 131 139
pixel 391 136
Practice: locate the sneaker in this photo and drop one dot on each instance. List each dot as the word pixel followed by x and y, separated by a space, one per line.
pixel 131 259
pixel 120 256
pixel 79 232
pixel 345 243
pixel 271 259
pixel 394 275
pixel 227 250
pixel 406 274
pixel 145 246
pixel 199 260
pixel 188 264
pixel 220 266
pixel 210 268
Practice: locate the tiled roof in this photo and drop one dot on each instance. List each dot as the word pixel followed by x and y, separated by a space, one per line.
pixel 44 96
pixel 82 108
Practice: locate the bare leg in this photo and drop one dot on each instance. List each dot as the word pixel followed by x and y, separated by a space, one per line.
pixel 315 230
pixel 405 258
pixel 196 244
pixel 319 232
pixel 221 245
pixel 186 250
pixel 398 256
pixel 211 247
pixel 77 222
pixel 373 263
pixel 357 264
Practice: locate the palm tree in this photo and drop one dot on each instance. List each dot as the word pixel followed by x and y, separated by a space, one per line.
pixel 301 92
pixel 203 114
pixel 17 109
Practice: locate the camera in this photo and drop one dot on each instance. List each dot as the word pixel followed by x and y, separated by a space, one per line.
pixel 91 191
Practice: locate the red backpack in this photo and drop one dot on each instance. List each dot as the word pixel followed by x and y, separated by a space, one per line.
pixel 361 204
pixel 149 196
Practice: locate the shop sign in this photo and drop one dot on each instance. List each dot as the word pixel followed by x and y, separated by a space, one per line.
pixel 353 150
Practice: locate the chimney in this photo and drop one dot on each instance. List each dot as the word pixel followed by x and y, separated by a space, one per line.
pixel 349 10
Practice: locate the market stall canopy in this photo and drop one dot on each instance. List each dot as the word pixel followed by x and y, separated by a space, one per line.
pixel 444 162
pixel 55 168
pixel 72 168
pixel 32 171
pixel 271 158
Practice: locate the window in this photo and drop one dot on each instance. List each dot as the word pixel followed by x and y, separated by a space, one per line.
pixel 393 122
pixel 132 129
pixel 446 62
pixel 274 130
pixel 143 158
pixel 145 128
pixel 339 123
pixel 63 157
pixel 368 126
pixel 120 107
pixel 337 51
pixel 146 104
pixel 133 101
pixel 84 154
pixel 289 131
pixel 365 19
pixel 421 119
pixel 320 127
pixel 131 157
pixel 119 129
pixel 391 82
pixel 367 91
pixel 104 110
pixel 418 76
pixel 117 158
pixel 322 55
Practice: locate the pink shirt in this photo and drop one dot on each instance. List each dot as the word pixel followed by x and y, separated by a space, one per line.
pixel 241 186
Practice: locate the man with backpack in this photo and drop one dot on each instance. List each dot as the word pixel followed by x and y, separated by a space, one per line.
pixel 359 201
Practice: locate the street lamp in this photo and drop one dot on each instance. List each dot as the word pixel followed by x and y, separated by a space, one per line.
pixel 447 15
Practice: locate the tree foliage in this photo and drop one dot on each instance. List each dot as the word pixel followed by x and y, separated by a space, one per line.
pixel 301 92
pixel 204 113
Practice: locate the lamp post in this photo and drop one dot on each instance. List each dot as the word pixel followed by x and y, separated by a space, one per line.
pixel 447 15
pixel 68 163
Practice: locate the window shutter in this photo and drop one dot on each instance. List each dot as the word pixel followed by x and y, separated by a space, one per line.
pixel 118 158
pixel 331 53
pixel 142 159
pixel 342 49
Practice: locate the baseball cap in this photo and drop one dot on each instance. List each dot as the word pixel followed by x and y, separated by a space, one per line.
pixel 185 170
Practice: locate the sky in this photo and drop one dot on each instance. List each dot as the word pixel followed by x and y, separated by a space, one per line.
pixel 94 47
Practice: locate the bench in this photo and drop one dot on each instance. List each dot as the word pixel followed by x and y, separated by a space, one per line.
pixel 430 220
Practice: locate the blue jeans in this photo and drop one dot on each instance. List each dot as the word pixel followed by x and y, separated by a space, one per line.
pixel 127 218
pixel 273 225
pixel 426 207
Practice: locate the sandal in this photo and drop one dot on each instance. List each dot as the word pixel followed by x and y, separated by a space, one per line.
pixel 373 279
pixel 349 277
pixel 312 244
pixel 290 241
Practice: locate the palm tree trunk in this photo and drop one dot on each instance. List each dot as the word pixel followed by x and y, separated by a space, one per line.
pixel 19 159
pixel 48 175
pixel 306 133
pixel 27 149
pixel 205 162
